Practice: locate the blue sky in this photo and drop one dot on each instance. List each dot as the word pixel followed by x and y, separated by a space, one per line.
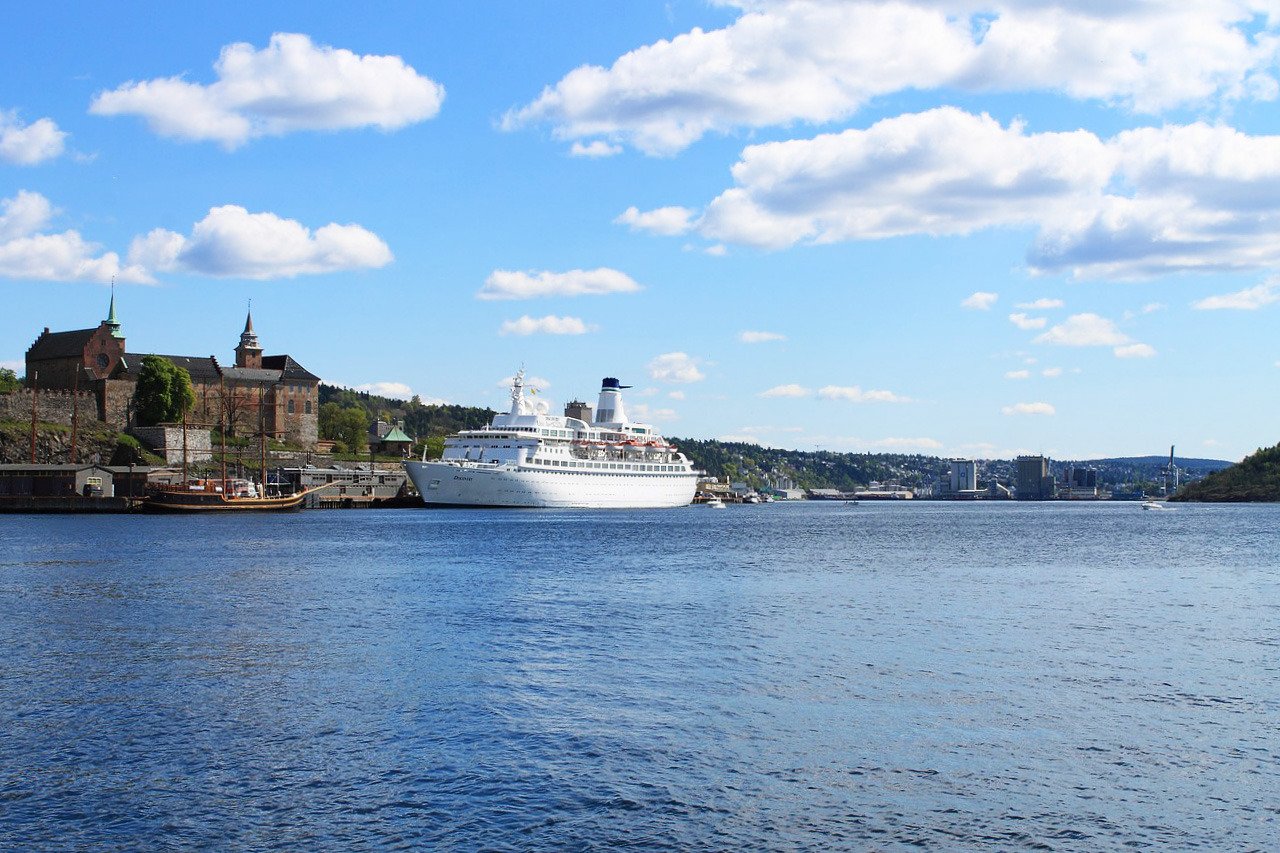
pixel 957 228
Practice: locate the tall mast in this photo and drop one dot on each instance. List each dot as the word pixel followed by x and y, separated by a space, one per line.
pixel 75 412
pixel 184 444
pixel 222 428
pixel 35 392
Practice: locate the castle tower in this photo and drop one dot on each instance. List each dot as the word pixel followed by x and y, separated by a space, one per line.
pixel 112 323
pixel 249 354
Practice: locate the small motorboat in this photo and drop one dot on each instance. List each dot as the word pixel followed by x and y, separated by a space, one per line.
pixel 715 503
pixel 1156 505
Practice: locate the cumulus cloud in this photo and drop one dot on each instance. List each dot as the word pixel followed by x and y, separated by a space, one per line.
pixel 393 390
pixel 1018 374
pixel 1051 372
pixel 676 395
pixel 548 325
pixel 1148 201
pixel 594 150
pixel 667 221
pixel 1028 409
pixel 515 284
pixel 29 144
pixel 1249 299
pixel 749 337
pixel 1022 321
pixel 290 85
pixel 980 300
pixel 1041 304
pixel 675 367
pixel 1135 351
pixel 786 391
pixel 855 394
pixel 16 365
pixel 27 251
pixel 232 242
pixel 529 382
pixel 1084 330
pixel 1091 330
pixel 788 61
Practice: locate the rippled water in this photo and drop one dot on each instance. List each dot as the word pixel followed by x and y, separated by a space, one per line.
pixel 806 676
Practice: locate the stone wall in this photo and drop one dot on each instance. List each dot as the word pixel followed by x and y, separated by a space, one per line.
pixel 54 407
pixel 167 441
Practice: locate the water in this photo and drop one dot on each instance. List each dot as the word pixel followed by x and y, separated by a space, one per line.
pixel 806 676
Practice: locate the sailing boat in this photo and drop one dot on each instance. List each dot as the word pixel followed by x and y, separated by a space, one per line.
pixel 224 494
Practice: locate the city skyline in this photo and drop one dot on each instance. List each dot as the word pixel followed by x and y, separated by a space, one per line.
pixel 959 229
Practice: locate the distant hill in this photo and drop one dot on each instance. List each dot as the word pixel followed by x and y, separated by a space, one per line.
pixel 1208 466
pixel 1255 478
pixel 421 420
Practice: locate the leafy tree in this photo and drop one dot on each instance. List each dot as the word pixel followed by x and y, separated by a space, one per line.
pixel 348 425
pixel 8 380
pixel 164 391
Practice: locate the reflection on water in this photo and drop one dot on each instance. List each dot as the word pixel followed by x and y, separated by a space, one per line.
pixel 791 676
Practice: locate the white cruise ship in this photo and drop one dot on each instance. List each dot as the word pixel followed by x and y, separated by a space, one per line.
pixel 528 459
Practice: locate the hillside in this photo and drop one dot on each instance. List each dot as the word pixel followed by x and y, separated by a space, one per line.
pixel 420 419
pixel 1255 478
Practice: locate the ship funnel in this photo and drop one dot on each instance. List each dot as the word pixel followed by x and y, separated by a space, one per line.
pixel 609 410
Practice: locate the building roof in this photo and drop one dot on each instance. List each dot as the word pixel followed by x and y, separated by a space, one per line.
pixel 250 374
pixel 289 369
pixel 205 367
pixel 60 344
pixel 395 435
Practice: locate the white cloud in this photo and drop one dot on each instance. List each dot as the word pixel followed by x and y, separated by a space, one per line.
pixel 1022 321
pixel 232 242
pixel 1153 307
pixel 786 391
pixel 1135 351
pixel 27 252
pixel 676 395
pixel 1041 304
pixel 15 365
pixel 514 284
pixel 394 390
pixel 980 300
pixel 785 61
pixel 719 250
pixel 667 221
pixel 1084 330
pixel 644 414
pixel 1018 374
pixel 1051 372
pixel 1028 409
pixel 855 394
pixel 548 325
pixel 940 172
pixel 1143 203
pixel 748 337
pixel 29 144
pixel 675 367
pixel 1249 299
pixel 594 150
pixel 290 85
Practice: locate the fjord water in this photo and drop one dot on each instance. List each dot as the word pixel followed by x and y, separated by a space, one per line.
pixel 799 676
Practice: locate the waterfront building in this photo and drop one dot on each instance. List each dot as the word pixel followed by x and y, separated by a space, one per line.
pixel 1080 483
pixel 1034 483
pixel 273 393
pixel 964 475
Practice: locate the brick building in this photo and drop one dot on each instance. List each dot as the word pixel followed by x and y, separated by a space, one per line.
pixel 273 391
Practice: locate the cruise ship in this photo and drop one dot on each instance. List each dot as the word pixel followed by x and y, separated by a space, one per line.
pixel 525 458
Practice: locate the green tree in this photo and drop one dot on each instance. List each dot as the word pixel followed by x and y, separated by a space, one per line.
pixel 164 391
pixel 8 380
pixel 349 425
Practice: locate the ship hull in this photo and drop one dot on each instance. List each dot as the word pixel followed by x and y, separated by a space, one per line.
pixel 444 484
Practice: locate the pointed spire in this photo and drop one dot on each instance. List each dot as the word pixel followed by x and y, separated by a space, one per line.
pixel 248 320
pixel 112 323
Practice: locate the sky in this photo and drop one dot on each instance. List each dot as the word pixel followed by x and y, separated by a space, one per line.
pixel 966 229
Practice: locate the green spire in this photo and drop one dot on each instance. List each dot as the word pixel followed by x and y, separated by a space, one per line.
pixel 112 322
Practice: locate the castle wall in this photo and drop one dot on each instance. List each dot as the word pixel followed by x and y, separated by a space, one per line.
pixel 52 406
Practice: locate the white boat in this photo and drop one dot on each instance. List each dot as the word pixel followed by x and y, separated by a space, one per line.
pixel 715 503
pixel 526 458
pixel 1156 505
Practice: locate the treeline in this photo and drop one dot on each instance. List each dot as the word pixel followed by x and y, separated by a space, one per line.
pixel 1254 478
pixel 754 465
pixel 345 416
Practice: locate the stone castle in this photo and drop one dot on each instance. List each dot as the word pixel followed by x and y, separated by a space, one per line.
pixel 272 393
